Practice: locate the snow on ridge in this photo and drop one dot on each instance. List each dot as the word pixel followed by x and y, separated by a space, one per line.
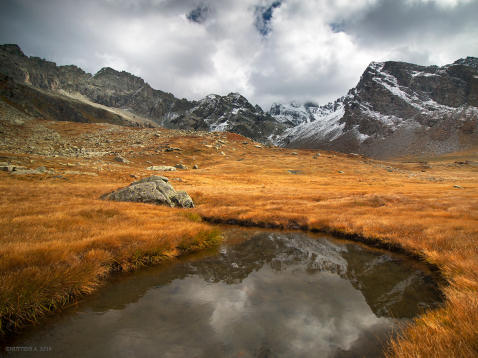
pixel 219 127
pixel 325 126
pixel 376 66
pixel 423 74
pixel 291 112
pixel 388 120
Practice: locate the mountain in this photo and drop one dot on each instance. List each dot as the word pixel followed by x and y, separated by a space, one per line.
pixel 232 113
pixel 397 108
pixel 131 98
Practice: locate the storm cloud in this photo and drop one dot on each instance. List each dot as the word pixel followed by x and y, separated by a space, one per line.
pixel 269 51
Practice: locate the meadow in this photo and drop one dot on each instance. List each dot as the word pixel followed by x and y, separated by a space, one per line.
pixel 59 241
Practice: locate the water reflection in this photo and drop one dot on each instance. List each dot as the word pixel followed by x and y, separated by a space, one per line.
pixel 264 294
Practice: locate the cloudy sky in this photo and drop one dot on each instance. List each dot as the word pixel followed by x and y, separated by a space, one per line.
pixel 268 50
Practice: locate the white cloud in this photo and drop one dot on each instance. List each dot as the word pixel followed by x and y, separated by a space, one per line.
pixel 314 50
pixel 441 3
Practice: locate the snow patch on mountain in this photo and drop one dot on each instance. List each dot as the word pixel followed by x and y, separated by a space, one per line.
pixel 291 113
pixel 326 124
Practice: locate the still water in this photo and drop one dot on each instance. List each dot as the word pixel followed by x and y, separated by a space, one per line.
pixel 261 294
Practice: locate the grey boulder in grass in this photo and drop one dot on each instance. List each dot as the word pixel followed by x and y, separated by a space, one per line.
pixel 154 190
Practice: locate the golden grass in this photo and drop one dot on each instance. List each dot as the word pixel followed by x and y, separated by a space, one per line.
pixel 58 240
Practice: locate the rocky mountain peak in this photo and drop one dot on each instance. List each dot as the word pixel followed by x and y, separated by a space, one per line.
pixel 12 49
pixel 396 107
pixel 123 80
pixel 468 61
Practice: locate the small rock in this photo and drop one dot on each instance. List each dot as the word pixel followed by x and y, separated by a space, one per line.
pixel 181 166
pixel 340 172
pixel 222 153
pixel 75 172
pixel 133 176
pixel 165 168
pixel 245 142
pixel 120 159
pixel 258 146
pixel 457 186
pixel 195 166
pixel 152 178
pixel 7 168
pixel 291 171
pixel 294 153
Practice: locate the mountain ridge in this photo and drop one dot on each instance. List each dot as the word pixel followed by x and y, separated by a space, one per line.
pixel 123 90
pixel 397 108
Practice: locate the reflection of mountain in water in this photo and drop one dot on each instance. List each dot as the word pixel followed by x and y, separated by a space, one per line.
pixel 391 287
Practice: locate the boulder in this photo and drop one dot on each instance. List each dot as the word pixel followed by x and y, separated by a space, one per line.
pixel 154 190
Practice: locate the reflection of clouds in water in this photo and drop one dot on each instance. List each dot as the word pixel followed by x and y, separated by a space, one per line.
pixel 227 302
pixel 230 309
pixel 327 315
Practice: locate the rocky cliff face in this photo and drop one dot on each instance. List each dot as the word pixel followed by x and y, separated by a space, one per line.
pixel 42 104
pixel 396 108
pixel 122 90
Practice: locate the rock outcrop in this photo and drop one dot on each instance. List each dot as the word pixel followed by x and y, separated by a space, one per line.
pixel 154 190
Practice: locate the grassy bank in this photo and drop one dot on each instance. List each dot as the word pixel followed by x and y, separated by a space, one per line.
pixel 58 240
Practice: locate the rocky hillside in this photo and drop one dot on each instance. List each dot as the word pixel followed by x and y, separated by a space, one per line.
pixel 131 94
pixel 397 108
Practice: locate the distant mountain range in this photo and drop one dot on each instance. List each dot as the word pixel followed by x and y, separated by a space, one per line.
pixel 397 108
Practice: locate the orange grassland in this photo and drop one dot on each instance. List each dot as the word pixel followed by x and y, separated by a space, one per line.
pixel 59 241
